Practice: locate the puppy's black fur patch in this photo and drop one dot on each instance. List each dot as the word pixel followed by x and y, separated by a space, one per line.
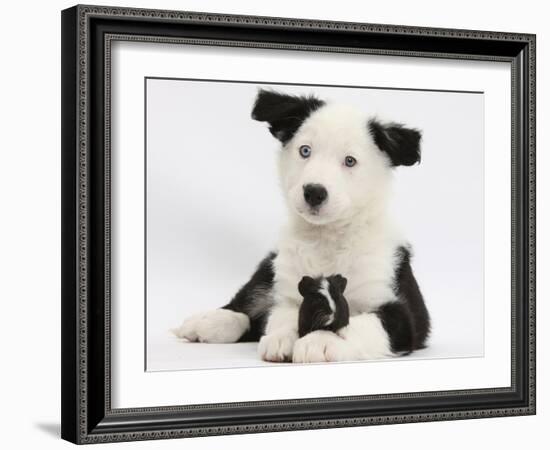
pixel 315 311
pixel 284 113
pixel 401 144
pixel 406 320
pixel 255 299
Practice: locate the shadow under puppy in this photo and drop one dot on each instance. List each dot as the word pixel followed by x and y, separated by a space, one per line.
pixel 324 306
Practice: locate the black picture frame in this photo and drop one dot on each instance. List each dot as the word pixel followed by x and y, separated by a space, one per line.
pixel 87 32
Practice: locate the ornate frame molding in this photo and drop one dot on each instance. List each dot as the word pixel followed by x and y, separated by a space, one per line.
pixel 83 422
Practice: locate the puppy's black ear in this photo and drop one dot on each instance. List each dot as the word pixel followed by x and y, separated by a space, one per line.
pixel 284 113
pixel 307 285
pixel 339 282
pixel 401 144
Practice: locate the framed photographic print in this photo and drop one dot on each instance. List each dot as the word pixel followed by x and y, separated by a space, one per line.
pixel 283 224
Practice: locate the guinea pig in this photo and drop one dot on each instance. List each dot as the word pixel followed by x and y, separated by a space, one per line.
pixel 324 306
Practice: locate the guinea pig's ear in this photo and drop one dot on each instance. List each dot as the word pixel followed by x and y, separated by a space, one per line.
pixel 399 143
pixel 340 282
pixel 306 286
pixel 284 113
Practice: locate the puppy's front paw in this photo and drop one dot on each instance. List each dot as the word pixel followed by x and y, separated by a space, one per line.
pixel 277 346
pixel 322 346
pixel 218 326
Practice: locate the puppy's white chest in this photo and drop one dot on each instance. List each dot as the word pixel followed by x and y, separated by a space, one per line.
pixel 368 269
pixel 298 259
pixel 318 258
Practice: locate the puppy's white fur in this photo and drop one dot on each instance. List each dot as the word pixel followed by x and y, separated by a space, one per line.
pixel 281 333
pixel 217 326
pixel 351 235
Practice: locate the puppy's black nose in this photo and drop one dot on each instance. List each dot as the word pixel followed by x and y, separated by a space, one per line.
pixel 315 194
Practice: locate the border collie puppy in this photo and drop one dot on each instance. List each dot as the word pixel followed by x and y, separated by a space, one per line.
pixel 335 167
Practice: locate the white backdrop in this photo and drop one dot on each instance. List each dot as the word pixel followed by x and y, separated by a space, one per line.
pixel 214 208
pixel 132 387
pixel 30 229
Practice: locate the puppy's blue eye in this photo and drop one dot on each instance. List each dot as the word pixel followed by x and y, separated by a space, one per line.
pixel 350 161
pixel 305 151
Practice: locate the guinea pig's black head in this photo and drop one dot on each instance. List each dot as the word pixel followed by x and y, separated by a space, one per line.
pixel 324 306
pixel 336 285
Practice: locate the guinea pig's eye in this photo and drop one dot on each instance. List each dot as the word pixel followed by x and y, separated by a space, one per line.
pixel 305 151
pixel 350 161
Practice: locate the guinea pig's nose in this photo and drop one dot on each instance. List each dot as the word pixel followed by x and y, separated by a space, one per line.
pixel 315 194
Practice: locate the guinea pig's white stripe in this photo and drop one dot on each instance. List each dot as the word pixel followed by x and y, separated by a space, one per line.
pixel 323 290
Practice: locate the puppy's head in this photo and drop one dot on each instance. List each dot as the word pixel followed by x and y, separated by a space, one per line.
pixel 335 161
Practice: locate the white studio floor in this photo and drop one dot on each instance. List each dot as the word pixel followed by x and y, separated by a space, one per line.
pixel 166 352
